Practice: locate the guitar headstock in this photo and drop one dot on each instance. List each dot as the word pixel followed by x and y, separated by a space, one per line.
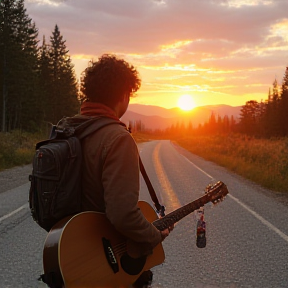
pixel 216 192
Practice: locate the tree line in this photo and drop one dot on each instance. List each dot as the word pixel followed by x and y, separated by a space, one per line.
pixel 38 83
pixel 264 119
pixel 270 118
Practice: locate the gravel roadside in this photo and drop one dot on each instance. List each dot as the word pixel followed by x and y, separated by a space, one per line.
pixel 14 177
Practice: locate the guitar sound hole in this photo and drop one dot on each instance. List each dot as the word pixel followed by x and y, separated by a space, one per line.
pixel 132 266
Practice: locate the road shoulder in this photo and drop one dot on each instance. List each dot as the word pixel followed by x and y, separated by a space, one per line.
pixel 14 177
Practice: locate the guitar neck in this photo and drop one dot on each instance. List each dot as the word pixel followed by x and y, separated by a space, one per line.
pixel 175 216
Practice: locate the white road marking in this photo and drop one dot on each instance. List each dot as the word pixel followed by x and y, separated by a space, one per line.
pixel 198 168
pixel 255 214
pixel 13 212
pixel 265 222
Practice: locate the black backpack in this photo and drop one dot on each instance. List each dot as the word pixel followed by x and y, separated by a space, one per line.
pixel 55 190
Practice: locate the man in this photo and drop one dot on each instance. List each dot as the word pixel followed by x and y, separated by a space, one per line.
pixel 111 159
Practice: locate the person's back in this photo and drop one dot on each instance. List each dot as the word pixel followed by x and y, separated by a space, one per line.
pixel 110 182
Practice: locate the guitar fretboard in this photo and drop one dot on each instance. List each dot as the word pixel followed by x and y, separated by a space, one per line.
pixel 218 192
pixel 175 216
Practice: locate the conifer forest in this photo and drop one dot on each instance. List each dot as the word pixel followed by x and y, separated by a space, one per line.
pixel 37 80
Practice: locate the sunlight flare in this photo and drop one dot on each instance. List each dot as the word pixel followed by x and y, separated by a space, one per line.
pixel 186 102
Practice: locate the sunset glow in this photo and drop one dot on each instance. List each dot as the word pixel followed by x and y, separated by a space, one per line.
pixel 176 46
pixel 185 102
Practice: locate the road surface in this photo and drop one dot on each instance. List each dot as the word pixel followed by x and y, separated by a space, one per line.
pixel 247 234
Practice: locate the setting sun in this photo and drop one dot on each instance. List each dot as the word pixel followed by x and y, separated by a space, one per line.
pixel 186 102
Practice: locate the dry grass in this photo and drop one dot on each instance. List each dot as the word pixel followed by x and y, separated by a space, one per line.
pixel 260 160
pixel 140 137
pixel 17 148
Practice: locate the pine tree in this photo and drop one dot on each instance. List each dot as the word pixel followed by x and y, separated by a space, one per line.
pixel 269 95
pixel 212 124
pixel 63 98
pixel 249 117
pixel 273 112
pixel 45 79
pixel 18 62
pixel 226 124
pixel 284 105
pixel 7 43
pixel 285 80
pixel 28 112
pixel 190 128
pixel 261 115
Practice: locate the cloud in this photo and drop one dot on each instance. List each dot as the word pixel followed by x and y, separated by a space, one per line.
pixel 175 36
pixel 144 25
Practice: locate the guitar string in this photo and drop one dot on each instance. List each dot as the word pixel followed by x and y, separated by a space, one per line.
pixel 120 252
pixel 119 248
pixel 122 244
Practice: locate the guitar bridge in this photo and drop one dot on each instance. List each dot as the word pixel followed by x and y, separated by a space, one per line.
pixel 110 255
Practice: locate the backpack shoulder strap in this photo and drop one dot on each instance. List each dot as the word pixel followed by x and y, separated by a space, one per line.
pixel 94 124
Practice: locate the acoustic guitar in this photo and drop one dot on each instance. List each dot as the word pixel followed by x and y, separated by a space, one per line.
pixel 85 250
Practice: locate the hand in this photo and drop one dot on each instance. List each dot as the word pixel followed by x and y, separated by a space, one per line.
pixel 166 232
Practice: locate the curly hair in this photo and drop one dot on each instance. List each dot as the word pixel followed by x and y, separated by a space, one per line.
pixel 107 80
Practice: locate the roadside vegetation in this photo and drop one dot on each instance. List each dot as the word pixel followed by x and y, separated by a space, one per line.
pixel 264 161
pixel 17 148
pixel 260 160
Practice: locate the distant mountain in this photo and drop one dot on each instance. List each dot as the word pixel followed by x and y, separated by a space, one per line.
pixel 150 110
pixel 223 110
pixel 155 117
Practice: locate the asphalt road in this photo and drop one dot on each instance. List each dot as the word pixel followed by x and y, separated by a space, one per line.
pixel 247 234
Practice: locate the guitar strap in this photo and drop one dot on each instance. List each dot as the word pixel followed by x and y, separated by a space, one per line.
pixel 159 208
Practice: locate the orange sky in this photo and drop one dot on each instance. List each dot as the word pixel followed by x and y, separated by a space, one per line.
pixel 217 51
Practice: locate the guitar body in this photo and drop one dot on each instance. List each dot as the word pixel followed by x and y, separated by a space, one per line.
pixel 85 250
